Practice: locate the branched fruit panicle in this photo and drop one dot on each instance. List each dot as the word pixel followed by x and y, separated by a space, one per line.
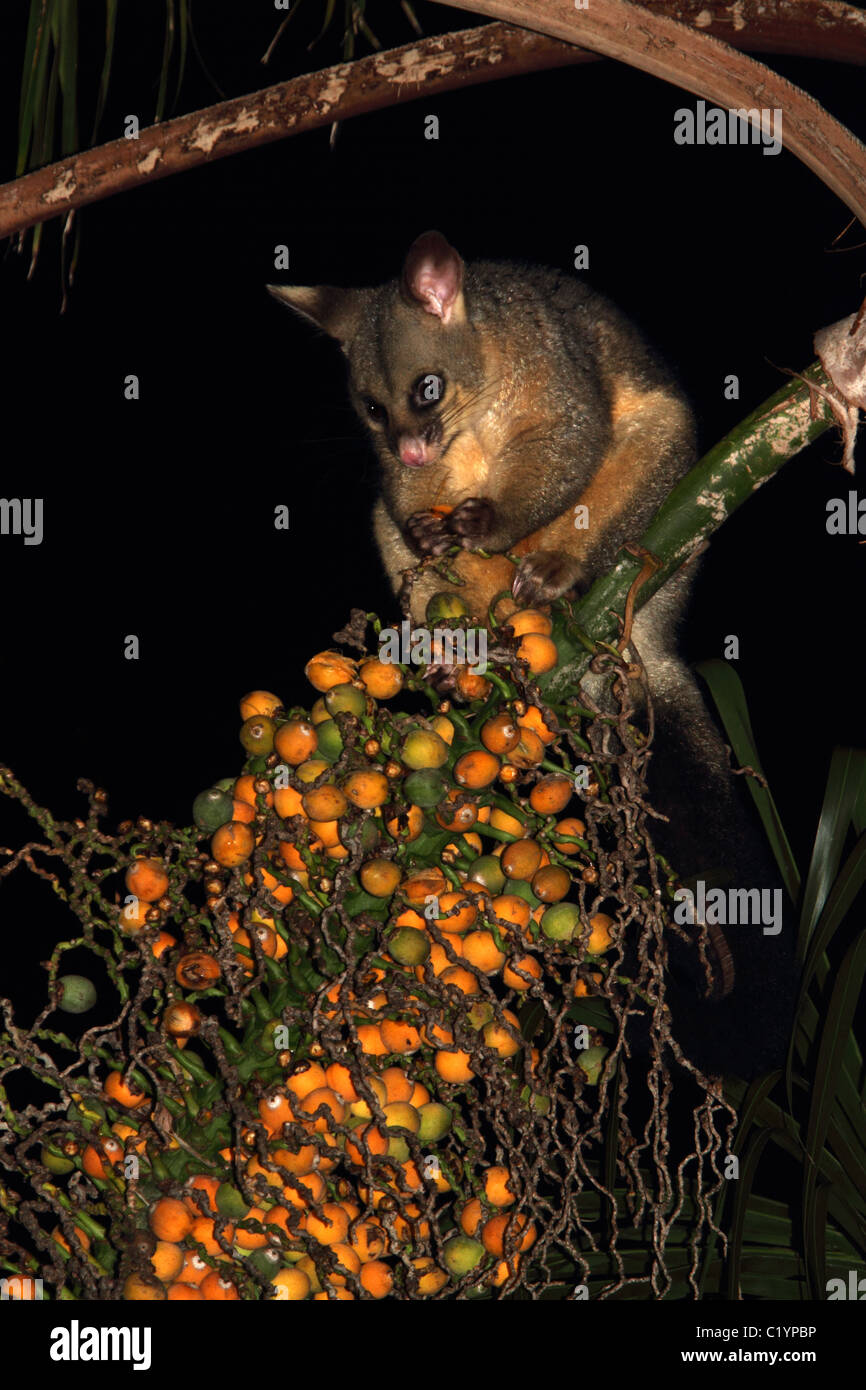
pixel 368 1042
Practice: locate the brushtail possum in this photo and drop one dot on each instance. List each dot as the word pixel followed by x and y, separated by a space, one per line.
pixel 510 395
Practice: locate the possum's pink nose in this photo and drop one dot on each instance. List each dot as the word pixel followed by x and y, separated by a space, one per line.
pixel 413 451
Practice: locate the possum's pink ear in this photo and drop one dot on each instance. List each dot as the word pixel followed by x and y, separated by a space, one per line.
pixel 433 277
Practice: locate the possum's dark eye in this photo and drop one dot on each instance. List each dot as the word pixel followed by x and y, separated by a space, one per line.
pixel 428 389
pixel 376 412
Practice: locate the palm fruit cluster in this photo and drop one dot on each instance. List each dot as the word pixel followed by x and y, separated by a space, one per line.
pixel 370 1002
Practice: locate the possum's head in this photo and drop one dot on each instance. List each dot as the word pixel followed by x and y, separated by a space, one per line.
pixel 415 362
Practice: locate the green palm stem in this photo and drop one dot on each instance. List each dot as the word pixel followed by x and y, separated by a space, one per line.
pixel 717 485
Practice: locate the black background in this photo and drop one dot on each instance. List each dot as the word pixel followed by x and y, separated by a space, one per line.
pixel 159 513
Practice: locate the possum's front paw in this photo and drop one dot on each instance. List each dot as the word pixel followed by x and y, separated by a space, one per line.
pixel 427 533
pixel 543 576
pixel 472 520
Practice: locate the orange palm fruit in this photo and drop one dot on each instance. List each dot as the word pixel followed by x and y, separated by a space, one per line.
pixel 138 1288
pixel 497 1036
pixel 330 668
pixel 471 1216
pixel 508 907
pixel 461 978
pixel 194 1269
pixel 332 1107
pixel 398 1086
pixel 476 770
pixel 339 1078
pixel 310 1188
pixel 369 1241
pixel 480 949
pixel 201 1182
pixel 539 651
pixel 521 859
pixel 430 1277
pixel 243 812
pixel 376 1277
pixel 287 802
pixel 496 1187
pixel 423 884
pixel 399 1036
pixel 310 1078
pixel 570 826
pixel 381 679
pixel 500 733
pixel 122 1093
pixel 439 959
pixel 534 720
pixel 185 1293
pixel 347 1263
pixel 167 1261
pixel 81 1236
pixel 470 685
pixel 528 965
pixel 551 883
pixel 370 1038
pixel 331 1227
pixel 259 702
pixel 217 1289
pixel 600 939
pixel 197 970
pixel 325 803
pixel 530 620
pixel 133 915
pixel 453 1066
pixel 551 794
pixel 170 1220
pixel 460 817
pixel 97 1156
pixel 370 1135
pixel 457 912
pixel 249 1239
pixel 204 1233
pixel 299 1162
pixel 147 879
pixel 529 752
pixel 367 789
pixel 521 1230
pixel 380 877
pixel 406 827
pixel 232 844
pixel 291 1284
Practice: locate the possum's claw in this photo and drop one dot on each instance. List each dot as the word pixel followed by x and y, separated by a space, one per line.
pixel 427 533
pixel 472 520
pixel 544 576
